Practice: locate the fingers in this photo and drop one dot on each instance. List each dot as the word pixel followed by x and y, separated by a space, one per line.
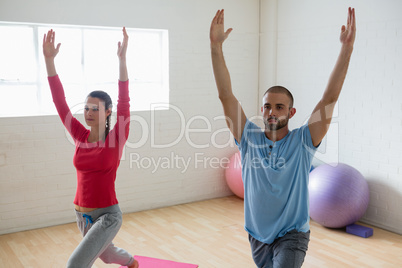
pixel 215 19
pixel 53 37
pixel 49 37
pixel 49 33
pixel 219 17
pixel 125 39
pixel 228 32
pixel 351 18
pixel 125 32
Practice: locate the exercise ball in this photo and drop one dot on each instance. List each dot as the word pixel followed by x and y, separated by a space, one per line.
pixel 233 175
pixel 338 195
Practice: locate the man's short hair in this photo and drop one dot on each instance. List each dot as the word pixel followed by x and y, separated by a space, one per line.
pixel 283 90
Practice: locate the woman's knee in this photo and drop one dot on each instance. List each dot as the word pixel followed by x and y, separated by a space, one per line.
pixel 106 258
pixel 74 262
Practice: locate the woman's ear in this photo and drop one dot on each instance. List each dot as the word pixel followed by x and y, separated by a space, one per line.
pixel 108 112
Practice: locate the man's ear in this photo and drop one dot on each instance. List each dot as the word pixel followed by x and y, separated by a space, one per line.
pixel 292 112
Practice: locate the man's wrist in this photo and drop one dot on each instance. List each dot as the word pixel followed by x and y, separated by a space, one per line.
pixel 216 45
pixel 216 48
pixel 347 49
pixel 49 59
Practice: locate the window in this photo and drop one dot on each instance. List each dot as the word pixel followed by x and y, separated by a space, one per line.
pixel 87 61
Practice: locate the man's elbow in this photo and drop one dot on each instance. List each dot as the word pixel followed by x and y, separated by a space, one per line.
pixel 329 100
pixel 223 97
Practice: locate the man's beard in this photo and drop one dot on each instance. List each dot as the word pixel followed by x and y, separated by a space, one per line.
pixel 280 123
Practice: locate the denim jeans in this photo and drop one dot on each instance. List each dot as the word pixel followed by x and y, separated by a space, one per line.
pixel 285 252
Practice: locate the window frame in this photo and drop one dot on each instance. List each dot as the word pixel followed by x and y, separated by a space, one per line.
pixel 162 83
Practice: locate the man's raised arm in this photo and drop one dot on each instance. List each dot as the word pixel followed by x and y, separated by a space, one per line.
pixel 322 114
pixel 235 117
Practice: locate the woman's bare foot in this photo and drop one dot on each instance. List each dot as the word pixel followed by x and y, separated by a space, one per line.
pixel 134 265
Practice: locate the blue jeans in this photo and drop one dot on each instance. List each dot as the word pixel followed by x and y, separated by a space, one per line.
pixel 285 252
pixel 98 228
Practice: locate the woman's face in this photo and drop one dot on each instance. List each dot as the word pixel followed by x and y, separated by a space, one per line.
pixel 95 113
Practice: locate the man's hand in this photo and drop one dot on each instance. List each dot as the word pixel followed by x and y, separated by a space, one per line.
pixel 235 117
pixel 348 32
pixel 217 32
pixel 322 115
pixel 122 47
pixel 49 50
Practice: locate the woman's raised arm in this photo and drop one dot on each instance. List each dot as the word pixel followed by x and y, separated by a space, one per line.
pixel 121 53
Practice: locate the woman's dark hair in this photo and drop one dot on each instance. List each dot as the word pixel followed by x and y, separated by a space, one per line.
pixel 102 95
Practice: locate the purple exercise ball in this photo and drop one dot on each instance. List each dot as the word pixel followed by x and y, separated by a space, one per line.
pixel 338 195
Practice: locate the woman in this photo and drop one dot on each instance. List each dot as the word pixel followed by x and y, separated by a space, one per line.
pixel 96 158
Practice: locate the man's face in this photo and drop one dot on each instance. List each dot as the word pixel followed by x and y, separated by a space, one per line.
pixel 276 111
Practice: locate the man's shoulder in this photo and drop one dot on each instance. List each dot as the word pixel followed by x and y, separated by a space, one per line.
pixel 297 134
pixel 299 130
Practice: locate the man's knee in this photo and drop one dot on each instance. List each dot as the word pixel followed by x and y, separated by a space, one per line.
pixel 289 258
pixel 262 255
pixel 290 251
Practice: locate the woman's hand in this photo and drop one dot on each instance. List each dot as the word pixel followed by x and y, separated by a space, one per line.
pixel 122 47
pixel 50 52
pixel 49 49
pixel 121 53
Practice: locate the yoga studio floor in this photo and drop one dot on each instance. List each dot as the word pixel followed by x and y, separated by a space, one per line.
pixel 208 233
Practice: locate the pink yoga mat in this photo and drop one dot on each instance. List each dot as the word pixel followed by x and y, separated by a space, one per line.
pixel 147 262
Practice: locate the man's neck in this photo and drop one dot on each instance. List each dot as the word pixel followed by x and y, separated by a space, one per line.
pixel 276 135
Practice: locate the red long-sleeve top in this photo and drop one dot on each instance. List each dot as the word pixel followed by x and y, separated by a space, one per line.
pixel 97 162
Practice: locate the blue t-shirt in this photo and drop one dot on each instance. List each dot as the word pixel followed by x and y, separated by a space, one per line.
pixel 275 177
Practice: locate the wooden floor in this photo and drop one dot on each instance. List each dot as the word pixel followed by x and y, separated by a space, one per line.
pixel 208 233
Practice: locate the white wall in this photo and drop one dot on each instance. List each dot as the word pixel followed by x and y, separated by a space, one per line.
pixel 37 178
pixel 268 46
pixel 366 130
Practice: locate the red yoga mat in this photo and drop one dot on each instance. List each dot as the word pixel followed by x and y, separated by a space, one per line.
pixel 147 262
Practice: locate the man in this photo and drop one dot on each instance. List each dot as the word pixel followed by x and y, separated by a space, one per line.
pixel 276 161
